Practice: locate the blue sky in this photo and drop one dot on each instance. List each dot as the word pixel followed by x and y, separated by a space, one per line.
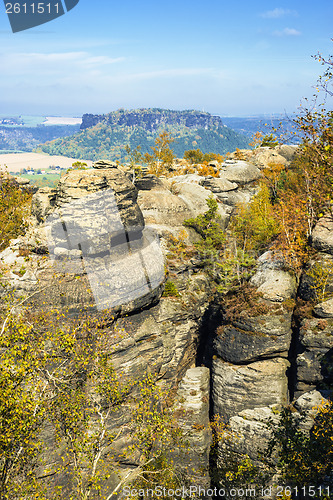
pixel 231 58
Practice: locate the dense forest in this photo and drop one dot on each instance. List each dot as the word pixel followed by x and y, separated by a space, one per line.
pixel 26 138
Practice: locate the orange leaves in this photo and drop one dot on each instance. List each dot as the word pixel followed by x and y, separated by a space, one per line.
pixel 14 208
pixel 160 161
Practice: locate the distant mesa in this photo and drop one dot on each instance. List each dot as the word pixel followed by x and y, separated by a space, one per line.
pixel 105 136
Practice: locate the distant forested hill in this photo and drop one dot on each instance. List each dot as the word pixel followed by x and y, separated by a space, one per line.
pixel 28 138
pixel 249 125
pixel 105 136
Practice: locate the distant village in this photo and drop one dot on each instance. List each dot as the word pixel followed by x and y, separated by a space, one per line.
pixel 51 170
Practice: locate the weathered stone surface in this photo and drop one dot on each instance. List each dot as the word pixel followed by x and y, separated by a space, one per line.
pixel 315 362
pixel 165 205
pixel 272 281
pixel 236 388
pixel 288 151
pixel 324 309
pixel 319 270
pixel 149 182
pixel 218 184
pixel 21 181
pixel 316 333
pixel 274 284
pixel 233 198
pixel 77 184
pixel 265 156
pixel 192 410
pixel 322 235
pixel 252 339
pixel 161 207
pixel 240 172
pixel 309 366
pixel 9 256
pixel 196 196
pixel 104 164
pixel 250 432
pixel 188 178
pixel 43 203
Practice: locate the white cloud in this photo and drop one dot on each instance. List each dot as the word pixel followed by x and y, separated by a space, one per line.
pixel 287 32
pixel 41 64
pixel 278 13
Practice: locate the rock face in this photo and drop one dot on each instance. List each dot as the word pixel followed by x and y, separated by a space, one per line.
pixel 240 172
pixel 95 226
pixel 315 361
pixel 77 184
pixel 240 387
pixel 192 404
pixel 322 235
pixel 249 352
pixel 91 214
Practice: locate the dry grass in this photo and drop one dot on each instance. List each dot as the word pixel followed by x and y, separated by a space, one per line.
pixel 16 161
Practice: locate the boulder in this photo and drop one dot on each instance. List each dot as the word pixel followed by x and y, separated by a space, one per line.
pixel 315 360
pixel 250 433
pixel 274 284
pixel 104 164
pixel 21 181
pixel 236 197
pixel 307 405
pixel 271 280
pixel 322 235
pixel 241 172
pixel 196 196
pixel 218 184
pixel 162 208
pixel 288 151
pixel 324 309
pixel 42 203
pixel 111 182
pixel 265 156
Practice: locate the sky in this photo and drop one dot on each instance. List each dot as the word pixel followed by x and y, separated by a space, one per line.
pixel 230 58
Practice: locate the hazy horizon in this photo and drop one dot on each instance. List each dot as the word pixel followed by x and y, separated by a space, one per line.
pixel 229 59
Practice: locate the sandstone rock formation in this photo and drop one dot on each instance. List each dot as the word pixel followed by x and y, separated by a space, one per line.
pixel 254 356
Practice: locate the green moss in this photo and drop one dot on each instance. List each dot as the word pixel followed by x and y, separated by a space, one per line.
pixel 170 290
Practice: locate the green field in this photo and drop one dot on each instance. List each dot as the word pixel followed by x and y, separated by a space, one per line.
pixel 43 180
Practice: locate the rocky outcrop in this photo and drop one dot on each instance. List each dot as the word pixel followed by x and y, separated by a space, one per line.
pixel 96 218
pixel 192 406
pixel 322 235
pixel 315 361
pixel 93 213
pixel 165 204
pixel 240 387
pixel 250 365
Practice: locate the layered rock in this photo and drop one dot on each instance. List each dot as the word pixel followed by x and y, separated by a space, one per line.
pixel 250 366
pixel 93 214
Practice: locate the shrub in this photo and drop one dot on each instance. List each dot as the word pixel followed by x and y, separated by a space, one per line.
pixel 14 209
pixel 170 290
pixel 255 224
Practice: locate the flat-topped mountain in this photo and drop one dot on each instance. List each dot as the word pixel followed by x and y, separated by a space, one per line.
pixel 105 136
pixel 153 119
